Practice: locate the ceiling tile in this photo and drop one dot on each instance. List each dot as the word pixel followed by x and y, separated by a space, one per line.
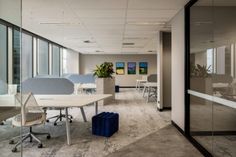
pixel 108 23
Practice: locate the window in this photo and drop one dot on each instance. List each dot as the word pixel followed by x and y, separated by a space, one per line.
pixel 64 61
pixel 27 56
pixel 55 60
pixel 16 57
pixel 70 62
pixel 43 57
pixel 3 57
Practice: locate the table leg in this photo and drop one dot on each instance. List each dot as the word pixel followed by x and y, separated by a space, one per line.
pixel 67 127
pixel 83 114
pixel 148 94
pixel 144 90
pixel 96 107
pixel 139 84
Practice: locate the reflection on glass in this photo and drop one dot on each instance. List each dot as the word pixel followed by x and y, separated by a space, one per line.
pixel 10 41
pixel 43 57
pixel 3 58
pixel 55 60
pixel 213 58
pixel 27 56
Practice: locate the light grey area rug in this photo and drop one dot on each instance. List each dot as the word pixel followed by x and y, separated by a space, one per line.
pixel 137 120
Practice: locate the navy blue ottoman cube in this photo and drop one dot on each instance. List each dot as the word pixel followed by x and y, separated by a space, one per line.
pixel 105 124
pixel 117 89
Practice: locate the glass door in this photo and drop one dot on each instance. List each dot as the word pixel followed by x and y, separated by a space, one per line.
pixel 212 79
pixel 224 79
pixel 201 60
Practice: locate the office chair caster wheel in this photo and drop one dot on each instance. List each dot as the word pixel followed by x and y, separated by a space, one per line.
pixel 48 137
pixel 11 142
pixel 55 124
pixel 70 121
pixel 14 150
pixel 40 145
pixel 47 120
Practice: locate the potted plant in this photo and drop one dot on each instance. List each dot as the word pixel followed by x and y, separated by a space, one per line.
pixel 105 70
pixel 200 81
pixel 105 81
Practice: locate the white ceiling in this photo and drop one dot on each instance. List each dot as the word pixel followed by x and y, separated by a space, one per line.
pixel 106 23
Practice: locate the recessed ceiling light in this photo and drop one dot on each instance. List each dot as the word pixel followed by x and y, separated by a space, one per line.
pixel 88 41
pixel 146 23
pixel 150 51
pixel 99 51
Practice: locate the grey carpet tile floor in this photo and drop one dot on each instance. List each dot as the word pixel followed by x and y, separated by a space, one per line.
pixel 167 142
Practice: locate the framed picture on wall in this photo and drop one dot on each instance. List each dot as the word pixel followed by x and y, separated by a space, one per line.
pixel 120 68
pixel 143 68
pixel 131 68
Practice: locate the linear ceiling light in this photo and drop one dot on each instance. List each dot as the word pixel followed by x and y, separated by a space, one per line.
pixel 58 23
pixel 146 23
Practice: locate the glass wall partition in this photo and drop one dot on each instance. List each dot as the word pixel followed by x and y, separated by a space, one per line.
pixel 212 80
pixel 10 60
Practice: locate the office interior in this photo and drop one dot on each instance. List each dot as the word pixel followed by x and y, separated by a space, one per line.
pixel 173 83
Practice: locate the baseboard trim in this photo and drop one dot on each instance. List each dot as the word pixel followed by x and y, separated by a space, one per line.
pixel 164 109
pixel 178 128
pixel 127 87
pixel 199 147
pixel 212 133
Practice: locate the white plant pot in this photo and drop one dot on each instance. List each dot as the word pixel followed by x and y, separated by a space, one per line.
pixel 106 86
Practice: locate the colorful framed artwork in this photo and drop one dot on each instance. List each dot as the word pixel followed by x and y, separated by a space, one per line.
pixel 120 68
pixel 143 68
pixel 131 68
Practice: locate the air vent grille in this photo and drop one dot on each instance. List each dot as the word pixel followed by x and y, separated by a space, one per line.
pixel 128 43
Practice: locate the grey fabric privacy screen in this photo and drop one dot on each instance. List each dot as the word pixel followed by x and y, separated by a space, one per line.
pixel 53 86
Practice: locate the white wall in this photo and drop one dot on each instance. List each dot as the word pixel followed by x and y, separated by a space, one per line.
pixel 89 61
pixel 177 69
pixel 10 10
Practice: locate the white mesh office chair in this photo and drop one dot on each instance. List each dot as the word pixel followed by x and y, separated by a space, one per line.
pixel 50 86
pixel 31 115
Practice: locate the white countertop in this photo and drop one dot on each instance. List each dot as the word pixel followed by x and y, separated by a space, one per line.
pixel 56 100
pixel 150 84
